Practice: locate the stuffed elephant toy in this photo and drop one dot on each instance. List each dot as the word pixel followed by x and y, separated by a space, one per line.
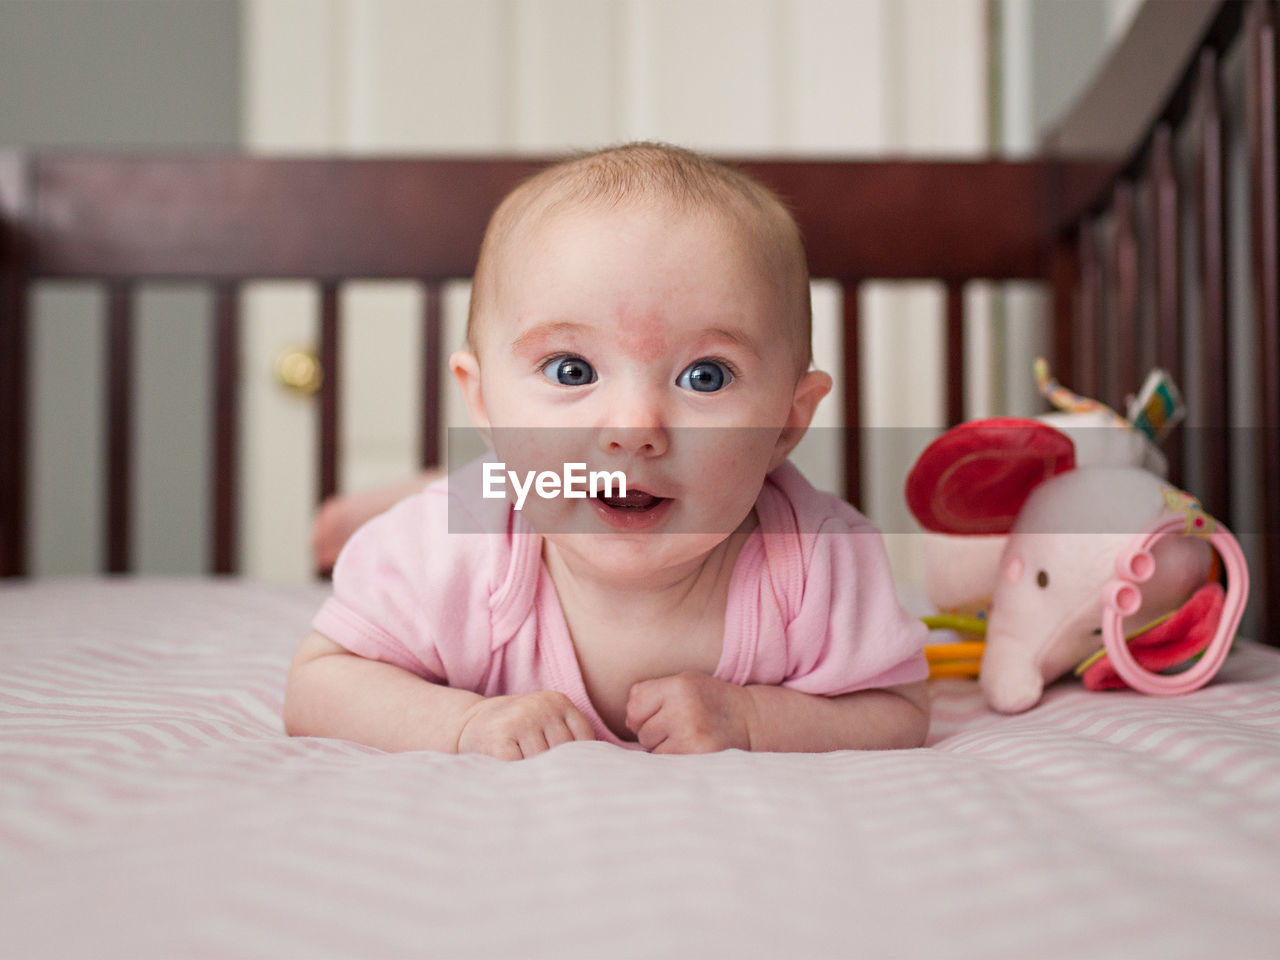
pixel 1070 559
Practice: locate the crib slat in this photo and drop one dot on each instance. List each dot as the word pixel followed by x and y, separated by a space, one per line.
pixel 1263 85
pixel 1164 207
pixel 431 362
pixel 14 387
pixel 226 421
pixel 955 353
pixel 1065 276
pixel 119 426
pixel 1125 276
pixel 1087 339
pixel 1213 421
pixel 852 402
pixel 328 428
pixel 1168 304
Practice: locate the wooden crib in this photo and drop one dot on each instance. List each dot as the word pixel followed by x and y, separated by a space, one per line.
pixel 1125 216
pixel 149 786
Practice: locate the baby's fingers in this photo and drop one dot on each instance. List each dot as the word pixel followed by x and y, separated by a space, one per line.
pixel 533 743
pixel 655 732
pixel 655 739
pixel 645 700
pixel 557 734
pixel 517 726
pixel 579 726
pixel 571 726
pixel 508 749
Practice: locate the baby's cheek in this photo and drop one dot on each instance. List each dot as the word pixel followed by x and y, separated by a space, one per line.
pixel 544 447
pixel 731 477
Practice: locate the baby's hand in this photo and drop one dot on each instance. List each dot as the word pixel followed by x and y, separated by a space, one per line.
pixel 519 726
pixel 691 712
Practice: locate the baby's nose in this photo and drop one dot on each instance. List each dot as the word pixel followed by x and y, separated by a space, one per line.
pixel 636 425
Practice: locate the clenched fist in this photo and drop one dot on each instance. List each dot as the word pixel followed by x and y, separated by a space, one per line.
pixel 691 712
pixel 522 725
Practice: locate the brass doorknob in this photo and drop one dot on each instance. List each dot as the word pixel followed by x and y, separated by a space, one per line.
pixel 298 370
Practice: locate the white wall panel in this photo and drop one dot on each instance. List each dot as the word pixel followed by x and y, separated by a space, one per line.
pixel 291 75
pixel 567 77
pixel 832 77
pixel 704 73
pixel 1017 114
pixel 938 70
pixel 427 75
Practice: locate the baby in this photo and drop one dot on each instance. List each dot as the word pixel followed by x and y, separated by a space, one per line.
pixel 643 310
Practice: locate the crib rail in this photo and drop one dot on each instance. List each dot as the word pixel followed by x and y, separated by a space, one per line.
pixel 1181 199
pixel 124 220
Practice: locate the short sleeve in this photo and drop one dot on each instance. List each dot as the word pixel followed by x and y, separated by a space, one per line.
pixel 409 592
pixel 847 630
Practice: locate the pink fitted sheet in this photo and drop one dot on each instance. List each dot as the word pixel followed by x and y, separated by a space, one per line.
pixel 151 806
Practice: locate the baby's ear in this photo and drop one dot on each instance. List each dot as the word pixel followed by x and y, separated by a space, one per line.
pixel 810 389
pixel 465 367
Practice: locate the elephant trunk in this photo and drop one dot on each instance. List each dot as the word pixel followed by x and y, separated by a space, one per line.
pixel 1010 676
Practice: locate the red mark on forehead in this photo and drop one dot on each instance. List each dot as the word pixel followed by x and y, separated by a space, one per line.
pixel 642 335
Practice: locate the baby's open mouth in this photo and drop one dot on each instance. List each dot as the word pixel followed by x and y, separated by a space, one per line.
pixel 636 501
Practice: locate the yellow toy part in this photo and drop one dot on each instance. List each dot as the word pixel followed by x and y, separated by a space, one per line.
pixel 961 659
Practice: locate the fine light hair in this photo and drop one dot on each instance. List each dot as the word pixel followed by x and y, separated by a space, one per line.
pixel 654 174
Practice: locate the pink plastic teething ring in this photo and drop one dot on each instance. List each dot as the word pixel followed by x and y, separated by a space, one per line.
pixel 1203 670
pixel 1122 597
pixel 1136 566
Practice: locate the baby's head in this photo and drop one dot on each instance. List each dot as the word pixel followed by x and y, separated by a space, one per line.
pixel 659 178
pixel 643 309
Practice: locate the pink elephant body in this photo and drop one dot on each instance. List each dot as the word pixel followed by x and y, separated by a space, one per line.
pixel 1073 534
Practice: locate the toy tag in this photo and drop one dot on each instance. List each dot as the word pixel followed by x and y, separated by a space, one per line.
pixel 1158 407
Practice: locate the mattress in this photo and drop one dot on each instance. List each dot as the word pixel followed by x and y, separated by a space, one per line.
pixel 152 806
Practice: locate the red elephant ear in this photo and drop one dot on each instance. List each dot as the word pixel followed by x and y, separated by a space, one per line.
pixel 975 477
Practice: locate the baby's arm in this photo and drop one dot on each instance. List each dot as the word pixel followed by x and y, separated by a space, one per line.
pixel 887 718
pixel 696 713
pixel 334 693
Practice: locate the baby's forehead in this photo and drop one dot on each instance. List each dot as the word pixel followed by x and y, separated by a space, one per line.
pixel 762 232
pixel 745 236
pixel 553 209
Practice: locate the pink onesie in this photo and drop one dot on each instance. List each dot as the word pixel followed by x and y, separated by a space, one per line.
pixel 811 604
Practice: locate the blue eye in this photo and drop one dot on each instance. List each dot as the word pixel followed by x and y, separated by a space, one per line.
pixel 704 376
pixel 569 371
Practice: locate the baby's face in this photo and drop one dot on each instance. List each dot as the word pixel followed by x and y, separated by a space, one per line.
pixel 645 341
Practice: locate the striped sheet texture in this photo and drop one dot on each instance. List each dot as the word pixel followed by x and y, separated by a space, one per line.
pixel 151 807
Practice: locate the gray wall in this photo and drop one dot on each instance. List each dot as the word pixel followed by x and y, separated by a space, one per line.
pixel 120 72
pixel 1068 40
pixel 116 74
